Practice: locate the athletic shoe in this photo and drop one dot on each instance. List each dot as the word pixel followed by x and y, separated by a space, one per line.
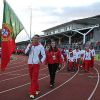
pixel 37 92
pixel 32 96
pixel 51 85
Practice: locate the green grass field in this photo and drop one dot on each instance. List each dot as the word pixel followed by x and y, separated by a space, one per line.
pixel 97 57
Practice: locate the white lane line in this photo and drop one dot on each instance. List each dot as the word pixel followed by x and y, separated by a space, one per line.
pixel 12 71
pixel 19 76
pixel 20 86
pixel 17 61
pixel 42 74
pixel 15 74
pixel 91 95
pixel 13 78
pixel 93 76
pixel 90 73
pixel 57 87
pixel 23 85
pixel 15 66
pixel 12 63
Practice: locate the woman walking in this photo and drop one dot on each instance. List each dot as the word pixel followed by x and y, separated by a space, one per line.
pixel 53 59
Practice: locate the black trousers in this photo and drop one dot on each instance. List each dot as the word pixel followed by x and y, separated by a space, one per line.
pixel 52 71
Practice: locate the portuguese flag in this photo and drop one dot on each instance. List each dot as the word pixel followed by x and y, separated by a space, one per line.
pixel 11 27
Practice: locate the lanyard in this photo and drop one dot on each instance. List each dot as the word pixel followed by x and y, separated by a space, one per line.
pixel 33 54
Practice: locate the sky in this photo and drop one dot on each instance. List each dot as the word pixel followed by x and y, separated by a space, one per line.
pixel 49 13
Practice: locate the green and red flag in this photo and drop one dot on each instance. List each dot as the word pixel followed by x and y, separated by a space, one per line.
pixel 11 27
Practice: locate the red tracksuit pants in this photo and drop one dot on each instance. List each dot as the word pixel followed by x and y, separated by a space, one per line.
pixel 87 64
pixel 77 63
pixel 83 63
pixel 92 61
pixel 70 65
pixel 34 73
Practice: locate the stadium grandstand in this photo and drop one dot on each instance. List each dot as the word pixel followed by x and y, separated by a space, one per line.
pixel 76 32
pixel 81 31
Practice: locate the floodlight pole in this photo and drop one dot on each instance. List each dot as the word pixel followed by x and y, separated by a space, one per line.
pixel 30 22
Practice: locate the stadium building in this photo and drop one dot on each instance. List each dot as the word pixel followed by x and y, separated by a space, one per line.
pixel 81 31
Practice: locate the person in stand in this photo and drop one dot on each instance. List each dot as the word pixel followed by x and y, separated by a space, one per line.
pixel 53 59
pixel 34 62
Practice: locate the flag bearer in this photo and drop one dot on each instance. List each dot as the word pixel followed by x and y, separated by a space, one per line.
pixel 34 64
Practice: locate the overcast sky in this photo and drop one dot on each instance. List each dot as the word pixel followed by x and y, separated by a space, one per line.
pixel 48 13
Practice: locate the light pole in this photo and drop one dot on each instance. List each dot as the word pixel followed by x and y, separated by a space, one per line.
pixel 30 22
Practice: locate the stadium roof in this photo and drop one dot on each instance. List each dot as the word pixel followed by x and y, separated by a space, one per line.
pixel 86 21
pixel 90 20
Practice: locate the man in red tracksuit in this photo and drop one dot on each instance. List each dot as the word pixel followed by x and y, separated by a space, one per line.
pixel 87 59
pixel 77 56
pixel 35 49
pixel 92 57
pixel 53 59
pixel 71 60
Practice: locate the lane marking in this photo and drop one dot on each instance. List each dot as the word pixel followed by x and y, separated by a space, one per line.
pixel 93 76
pixel 19 76
pixel 94 90
pixel 14 67
pixel 24 84
pixel 57 87
pixel 21 86
pixel 15 74
pixel 12 71
pixel 13 78
pixel 16 61
pixel 87 74
pixel 42 74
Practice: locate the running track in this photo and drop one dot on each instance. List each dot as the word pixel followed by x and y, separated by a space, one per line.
pixel 14 83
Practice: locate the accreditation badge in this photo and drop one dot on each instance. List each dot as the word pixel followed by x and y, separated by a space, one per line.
pixel 54 57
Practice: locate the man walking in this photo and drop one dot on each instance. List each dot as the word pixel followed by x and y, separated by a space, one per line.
pixel 35 50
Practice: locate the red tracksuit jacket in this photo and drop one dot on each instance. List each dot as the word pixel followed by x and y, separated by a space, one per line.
pixel 53 57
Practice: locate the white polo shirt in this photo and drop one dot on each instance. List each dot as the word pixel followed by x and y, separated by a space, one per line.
pixel 87 55
pixel 93 52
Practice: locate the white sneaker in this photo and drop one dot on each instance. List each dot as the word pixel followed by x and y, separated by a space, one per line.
pixel 32 97
pixel 37 92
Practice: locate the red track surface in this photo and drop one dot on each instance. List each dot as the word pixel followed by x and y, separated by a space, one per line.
pixel 14 83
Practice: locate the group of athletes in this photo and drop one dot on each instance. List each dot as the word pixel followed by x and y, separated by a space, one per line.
pixel 79 58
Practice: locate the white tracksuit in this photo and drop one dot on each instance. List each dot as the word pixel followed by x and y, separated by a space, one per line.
pixel 34 54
